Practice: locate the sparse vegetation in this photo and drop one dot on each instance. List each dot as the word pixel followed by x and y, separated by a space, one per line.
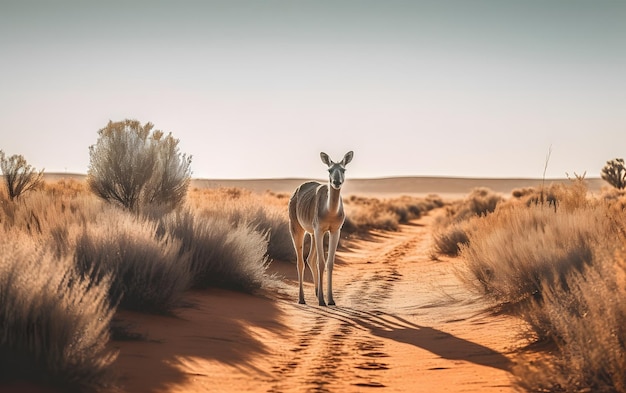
pixel 220 253
pixel 136 167
pixel 266 213
pixel 614 173
pixel 19 176
pixel 451 231
pixel 556 261
pixel 99 257
pixel 148 272
pixel 585 319
pixel 560 266
pixel 448 240
pixel 364 214
pixel 54 326
pixel 514 252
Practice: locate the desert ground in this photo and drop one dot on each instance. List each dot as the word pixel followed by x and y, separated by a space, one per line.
pixel 405 318
pixel 403 322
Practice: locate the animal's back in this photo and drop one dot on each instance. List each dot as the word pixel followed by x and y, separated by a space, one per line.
pixel 302 200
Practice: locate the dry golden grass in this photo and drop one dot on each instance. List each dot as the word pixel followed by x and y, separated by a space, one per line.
pixel 586 321
pixel 69 258
pixel 150 273
pixel 556 259
pixel 219 252
pixel 364 214
pixel 54 325
pixel 266 213
pixel 451 231
pixel 77 258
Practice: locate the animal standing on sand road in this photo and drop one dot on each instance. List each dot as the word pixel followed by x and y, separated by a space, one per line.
pixel 317 208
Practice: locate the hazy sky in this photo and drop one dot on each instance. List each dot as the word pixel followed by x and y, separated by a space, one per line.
pixel 258 88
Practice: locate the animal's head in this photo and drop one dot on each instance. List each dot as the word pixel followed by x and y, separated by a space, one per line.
pixel 336 170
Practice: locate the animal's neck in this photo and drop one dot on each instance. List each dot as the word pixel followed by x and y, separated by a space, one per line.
pixel 334 200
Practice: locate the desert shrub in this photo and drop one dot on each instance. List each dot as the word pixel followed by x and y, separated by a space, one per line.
pixel 364 214
pixel 40 212
pixel 535 196
pixel 450 232
pixel 65 188
pixel 614 199
pixel 148 273
pixel 136 167
pixel 268 221
pixel 512 252
pixel 448 240
pixel 479 202
pixel 266 213
pixel 220 253
pixel 586 319
pixel 408 208
pixel 54 326
pixel 19 176
pixel 556 266
pixel 614 173
pixel 523 192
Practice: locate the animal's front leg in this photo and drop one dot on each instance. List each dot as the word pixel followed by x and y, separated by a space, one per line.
pixel 319 243
pixel 333 241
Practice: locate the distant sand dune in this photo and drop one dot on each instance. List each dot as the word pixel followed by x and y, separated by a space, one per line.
pixel 391 186
pixel 394 186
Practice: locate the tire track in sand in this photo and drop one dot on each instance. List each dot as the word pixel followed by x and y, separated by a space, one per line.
pixel 326 336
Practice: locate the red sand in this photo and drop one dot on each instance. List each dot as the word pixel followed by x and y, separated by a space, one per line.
pixel 403 323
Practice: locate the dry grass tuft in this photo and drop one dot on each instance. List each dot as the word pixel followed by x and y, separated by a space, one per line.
pixel 365 214
pixel 266 213
pixel 54 326
pixel 450 233
pixel 220 253
pixel 448 240
pixel 97 257
pixel 480 202
pixel 512 252
pixel 560 266
pixel 148 272
pixel 587 322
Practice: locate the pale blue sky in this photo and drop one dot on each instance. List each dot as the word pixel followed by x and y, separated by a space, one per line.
pixel 258 88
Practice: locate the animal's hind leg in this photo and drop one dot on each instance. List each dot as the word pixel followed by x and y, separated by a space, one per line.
pixel 311 260
pixel 297 235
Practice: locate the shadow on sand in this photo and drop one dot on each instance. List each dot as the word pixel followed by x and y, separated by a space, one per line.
pixel 440 343
pixel 216 326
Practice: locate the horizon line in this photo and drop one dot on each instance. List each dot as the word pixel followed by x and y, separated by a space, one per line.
pixel 392 177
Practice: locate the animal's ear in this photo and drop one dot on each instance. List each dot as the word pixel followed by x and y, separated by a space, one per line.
pixel 325 159
pixel 347 158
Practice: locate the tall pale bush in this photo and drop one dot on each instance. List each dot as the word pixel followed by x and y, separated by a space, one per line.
pixel 136 167
pixel 19 176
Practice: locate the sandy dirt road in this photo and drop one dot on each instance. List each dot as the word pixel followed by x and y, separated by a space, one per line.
pixel 403 323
